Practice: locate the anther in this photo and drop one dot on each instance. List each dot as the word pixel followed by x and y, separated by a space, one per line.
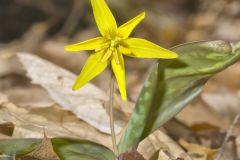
pixel 107 55
pixel 115 54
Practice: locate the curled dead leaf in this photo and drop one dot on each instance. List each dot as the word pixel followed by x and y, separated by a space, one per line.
pixel 197 151
pixel 43 152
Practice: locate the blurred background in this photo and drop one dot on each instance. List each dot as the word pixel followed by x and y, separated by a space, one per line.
pixel 168 22
pixel 43 28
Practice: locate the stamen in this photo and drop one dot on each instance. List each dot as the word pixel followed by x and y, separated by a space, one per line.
pixel 107 55
pixel 102 47
pixel 112 50
pixel 115 54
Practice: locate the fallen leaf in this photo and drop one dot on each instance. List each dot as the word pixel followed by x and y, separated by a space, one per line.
pixel 162 145
pixel 29 124
pixel 198 112
pixel 29 96
pixel 7 128
pixel 3 98
pixel 9 64
pixel 223 102
pixel 198 152
pixel 222 79
pixel 203 126
pixel 87 103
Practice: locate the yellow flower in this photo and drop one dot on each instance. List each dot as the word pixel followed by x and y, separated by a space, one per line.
pixel 111 47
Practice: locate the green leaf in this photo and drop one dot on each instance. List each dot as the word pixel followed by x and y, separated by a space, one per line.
pixel 18 147
pixel 173 84
pixel 66 149
pixel 70 149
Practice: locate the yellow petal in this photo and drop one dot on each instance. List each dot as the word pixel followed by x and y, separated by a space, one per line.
pixel 91 69
pixel 126 29
pixel 103 16
pixel 125 50
pixel 90 44
pixel 119 72
pixel 141 48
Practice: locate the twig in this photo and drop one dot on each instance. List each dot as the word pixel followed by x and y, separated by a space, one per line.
pixel 226 138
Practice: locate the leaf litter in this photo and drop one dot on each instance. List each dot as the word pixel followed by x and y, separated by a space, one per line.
pixel 33 128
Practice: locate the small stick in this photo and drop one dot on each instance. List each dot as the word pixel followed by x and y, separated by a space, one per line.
pixel 226 138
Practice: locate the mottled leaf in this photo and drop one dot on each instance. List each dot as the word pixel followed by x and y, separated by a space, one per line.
pixel 66 149
pixel 70 149
pixel 173 84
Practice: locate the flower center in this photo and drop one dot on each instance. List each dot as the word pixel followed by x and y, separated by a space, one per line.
pixel 114 44
pixel 112 50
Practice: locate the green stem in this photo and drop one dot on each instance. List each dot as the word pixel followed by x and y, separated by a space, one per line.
pixel 111 100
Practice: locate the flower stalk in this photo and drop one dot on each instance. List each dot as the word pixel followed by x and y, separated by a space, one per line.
pixel 111 109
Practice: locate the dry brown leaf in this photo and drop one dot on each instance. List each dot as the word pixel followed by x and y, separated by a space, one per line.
pixel 3 98
pixel 203 126
pixel 7 128
pixel 198 152
pixel 9 64
pixel 43 152
pixel 223 102
pixel 87 103
pixel 63 124
pixel 197 112
pixel 159 142
pixel 222 80
pixel 29 96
